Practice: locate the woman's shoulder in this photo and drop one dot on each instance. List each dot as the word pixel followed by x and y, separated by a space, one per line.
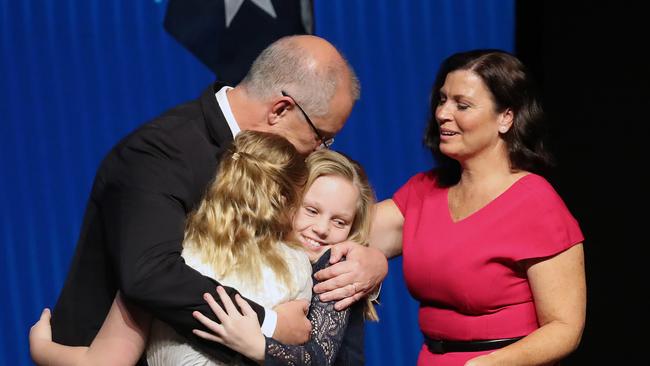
pixel 419 186
pixel 539 190
pixel 425 177
pixel 424 181
pixel 542 218
pixel 543 204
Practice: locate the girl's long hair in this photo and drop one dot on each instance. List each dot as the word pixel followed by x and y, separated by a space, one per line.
pixel 247 210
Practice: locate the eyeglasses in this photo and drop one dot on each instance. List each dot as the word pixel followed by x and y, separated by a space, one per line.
pixel 326 143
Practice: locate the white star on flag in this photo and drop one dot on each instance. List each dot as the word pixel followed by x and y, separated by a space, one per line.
pixel 232 7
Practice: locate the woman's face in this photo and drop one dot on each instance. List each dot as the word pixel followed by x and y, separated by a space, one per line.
pixel 469 124
pixel 326 214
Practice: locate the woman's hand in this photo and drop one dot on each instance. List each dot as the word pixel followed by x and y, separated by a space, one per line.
pixel 240 332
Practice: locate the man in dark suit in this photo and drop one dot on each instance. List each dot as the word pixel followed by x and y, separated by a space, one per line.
pixel 301 88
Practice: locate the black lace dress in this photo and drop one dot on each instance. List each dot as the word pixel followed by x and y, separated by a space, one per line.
pixel 336 336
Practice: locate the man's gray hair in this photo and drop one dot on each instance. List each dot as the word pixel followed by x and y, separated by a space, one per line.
pixel 285 65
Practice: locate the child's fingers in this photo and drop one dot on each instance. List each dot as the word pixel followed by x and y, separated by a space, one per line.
pixel 216 308
pixel 227 302
pixel 208 323
pixel 208 336
pixel 245 307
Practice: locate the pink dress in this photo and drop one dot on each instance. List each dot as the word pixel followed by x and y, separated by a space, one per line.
pixel 466 274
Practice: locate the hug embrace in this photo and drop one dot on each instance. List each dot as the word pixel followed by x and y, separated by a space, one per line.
pixel 179 262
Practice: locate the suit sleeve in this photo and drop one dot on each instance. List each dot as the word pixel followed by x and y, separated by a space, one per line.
pixel 144 220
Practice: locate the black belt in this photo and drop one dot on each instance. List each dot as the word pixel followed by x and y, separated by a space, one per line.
pixel 439 346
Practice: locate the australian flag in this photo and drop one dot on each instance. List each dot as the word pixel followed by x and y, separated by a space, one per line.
pixel 227 35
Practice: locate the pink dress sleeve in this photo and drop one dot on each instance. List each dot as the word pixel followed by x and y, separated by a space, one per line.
pixel 546 223
pixel 405 193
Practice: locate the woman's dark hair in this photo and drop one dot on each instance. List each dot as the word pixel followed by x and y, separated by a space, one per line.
pixel 511 86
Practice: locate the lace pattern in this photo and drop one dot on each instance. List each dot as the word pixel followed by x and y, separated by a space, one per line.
pixel 328 329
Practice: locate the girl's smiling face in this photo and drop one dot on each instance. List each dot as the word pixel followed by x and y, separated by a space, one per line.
pixel 326 214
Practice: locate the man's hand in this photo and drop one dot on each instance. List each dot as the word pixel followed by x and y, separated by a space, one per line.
pixel 348 281
pixel 292 327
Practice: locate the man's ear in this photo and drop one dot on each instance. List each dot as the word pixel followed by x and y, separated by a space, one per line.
pixel 279 110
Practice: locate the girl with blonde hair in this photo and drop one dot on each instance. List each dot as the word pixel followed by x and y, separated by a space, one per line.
pixel 264 204
pixel 336 206
pixel 239 234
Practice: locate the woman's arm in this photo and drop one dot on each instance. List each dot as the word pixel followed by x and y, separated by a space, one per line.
pixel 559 291
pixel 348 281
pixel 120 341
pixel 386 228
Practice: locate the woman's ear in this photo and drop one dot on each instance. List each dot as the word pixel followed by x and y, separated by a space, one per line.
pixel 505 121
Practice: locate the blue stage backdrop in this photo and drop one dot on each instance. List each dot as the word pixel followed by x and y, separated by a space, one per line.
pixel 77 76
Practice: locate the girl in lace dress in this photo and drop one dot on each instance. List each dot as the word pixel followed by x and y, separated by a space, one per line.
pixel 335 207
pixel 240 235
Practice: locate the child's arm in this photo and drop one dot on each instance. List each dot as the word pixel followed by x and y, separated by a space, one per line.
pixel 120 341
pixel 241 332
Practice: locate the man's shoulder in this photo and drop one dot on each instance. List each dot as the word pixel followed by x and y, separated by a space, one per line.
pixel 179 116
pixel 177 131
pixel 185 124
pixel 176 140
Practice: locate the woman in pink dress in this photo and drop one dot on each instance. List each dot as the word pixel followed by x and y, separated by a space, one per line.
pixel 489 249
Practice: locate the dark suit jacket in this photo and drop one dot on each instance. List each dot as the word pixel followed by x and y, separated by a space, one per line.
pixel 352 351
pixel 132 231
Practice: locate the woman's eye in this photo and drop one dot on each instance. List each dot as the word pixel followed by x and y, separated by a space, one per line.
pixel 462 107
pixel 311 210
